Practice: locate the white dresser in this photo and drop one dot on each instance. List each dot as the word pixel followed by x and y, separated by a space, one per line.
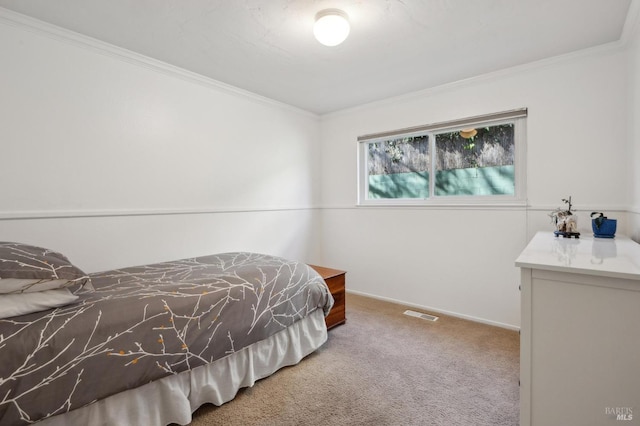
pixel 580 331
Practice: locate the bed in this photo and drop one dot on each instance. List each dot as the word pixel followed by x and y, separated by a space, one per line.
pixel 147 344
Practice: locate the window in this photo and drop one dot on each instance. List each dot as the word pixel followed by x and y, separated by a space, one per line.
pixel 478 160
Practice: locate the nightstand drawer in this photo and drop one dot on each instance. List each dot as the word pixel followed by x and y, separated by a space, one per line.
pixel 335 280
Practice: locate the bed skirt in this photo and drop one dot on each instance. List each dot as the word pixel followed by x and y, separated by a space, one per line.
pixel 173 399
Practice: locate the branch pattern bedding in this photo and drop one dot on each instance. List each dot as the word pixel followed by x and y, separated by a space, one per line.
pixel 141 324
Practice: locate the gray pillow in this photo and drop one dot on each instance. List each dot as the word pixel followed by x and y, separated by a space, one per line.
pixel 25 268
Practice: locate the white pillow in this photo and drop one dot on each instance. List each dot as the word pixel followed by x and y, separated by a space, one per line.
pixel 26 268
pixel 24 285
pixel 12 305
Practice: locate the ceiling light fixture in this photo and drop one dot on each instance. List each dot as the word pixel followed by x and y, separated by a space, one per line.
pixel 331 27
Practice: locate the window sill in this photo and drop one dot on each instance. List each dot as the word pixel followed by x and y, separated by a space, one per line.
pixel 446 204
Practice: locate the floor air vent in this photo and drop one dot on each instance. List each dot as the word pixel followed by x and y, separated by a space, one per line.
pixel 421 315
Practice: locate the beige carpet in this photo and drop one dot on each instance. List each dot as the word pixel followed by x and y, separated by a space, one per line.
pixel 385 368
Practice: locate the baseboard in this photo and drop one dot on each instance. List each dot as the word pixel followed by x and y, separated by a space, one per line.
pixel 435 310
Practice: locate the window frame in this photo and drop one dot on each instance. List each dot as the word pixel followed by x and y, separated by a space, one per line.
pixel 517 117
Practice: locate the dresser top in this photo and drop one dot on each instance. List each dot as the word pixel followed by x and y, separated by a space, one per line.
pixel 617 257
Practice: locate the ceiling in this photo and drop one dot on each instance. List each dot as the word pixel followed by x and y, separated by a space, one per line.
pixel 395 46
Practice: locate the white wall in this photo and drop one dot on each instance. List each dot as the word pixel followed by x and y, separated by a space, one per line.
pixel 462 261
pixel 634 130
pixel 89 130
pixel 116 161
pixel 100 243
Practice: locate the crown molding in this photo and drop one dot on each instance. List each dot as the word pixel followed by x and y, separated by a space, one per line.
pixel 63 35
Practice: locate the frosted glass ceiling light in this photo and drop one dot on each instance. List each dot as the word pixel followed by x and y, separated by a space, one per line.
pixel 331 27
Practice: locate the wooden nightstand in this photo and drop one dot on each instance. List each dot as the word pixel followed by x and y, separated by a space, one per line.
pixel 335 280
